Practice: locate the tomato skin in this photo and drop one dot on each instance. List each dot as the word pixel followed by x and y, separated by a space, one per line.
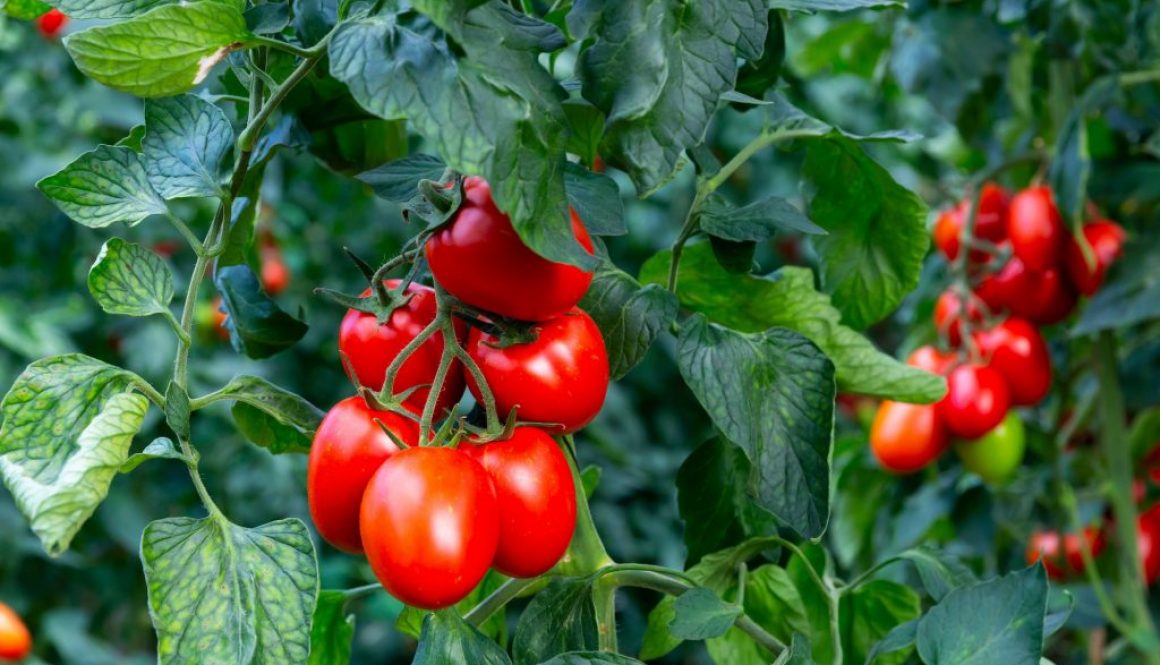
pixel 1017 350
pixel 430 525
pixel 976 402
pixel 349 447
pixel 275 276
pixel 996 455
pixel 51 23
pixel 1036 229
pixel 1047 546
pixel 370 348
pixel 537 500
pixel 15 640
pixel 907 437
pixel 990 223
pixel 1148 543
pixel 931 359
pixel 948 315
pixel 480 259
pixel 560 377
pixel 1044 298
pixel 1072 548
pixel 1107 242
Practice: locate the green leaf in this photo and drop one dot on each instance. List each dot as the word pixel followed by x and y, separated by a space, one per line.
pixel 186 143
pixel 131 280
pixel 997 621
pixel 1129 296
pixel 900 637
pixel 630 317
pixel 1072 165
pixel 878 239
pixel 773 395
pixel 591 658
pixel 447 638
pixel 258 327
pixel 815 600
pixel 756 221
pixel 488 107
pixel 68 423
pixel 164 52
pixel 331 630
pixel 734 256
pixel 699 614
pixel 787 298
pixel 159 448
pixel 410 621
pixel 869 612
pixel 25 10
pixel 596 199
pixel 398 181
pixel 659 87
pixel 585 129
pixel 832 5
pixel 798 652
pixel 773 603
pixel 559 618
pixel 103 187
pixel 133 139
pixel 177 410
pixel 1144 434
pixel 81 9
pixel 782 117
pixel 756 77
pixel 270 416
pixel 940 572
pixel 220 593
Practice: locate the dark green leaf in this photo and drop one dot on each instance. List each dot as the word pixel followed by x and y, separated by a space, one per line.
pixel 1072 165
pixel 869 612
pixel 591 658
pixel 1060 604
pixel 103 187
pixel 759 75
pixel 398 181
pixel 832 5
pixel 268 18
pixel 129 279
pixel 559 618
pixel 270 416
pixel 629 316
pixel 798 652
pixel 1130 295
pixel 585 129
pixel 815 600
pixel 596 199
pixel 447 638
pixel 258 327
pixel 772 602
pixel 1144 434
pixel 331 630
pixel 313 19
pixel 756 221
pixel 159 448
pixel 900 637
pixel 940 572
pixel 177 410
pixel 186 143
pixel 734 256
pixel 699 614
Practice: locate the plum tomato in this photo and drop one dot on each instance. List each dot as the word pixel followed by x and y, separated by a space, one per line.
pixel 1035 229
pixel 1017 350
pixel 976 402
pixel 907 437
pixel 1106 240
pixel 15 640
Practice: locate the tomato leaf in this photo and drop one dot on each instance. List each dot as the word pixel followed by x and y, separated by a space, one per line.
pixel 659 87
pixel 258 327
pixel 25 10
pixel 735 256
pixel 761 74
pixel 997 621
pixel 230 594
pixel 869 612
pixel 899 638
pixel 68 423
pixel 177 410
pixel 832 5
pixel 798 652
pixel 591 658
pixel 940 572
pixel 560 618
pixel 129 279
pixel 585 130
pixel 186 143
pixel 772 602
pixel 630 317
pixel 447 638
pixel 270 416
pixel 313 19
pixel 103 187
pixel 596 199
pixel 1130 295
pixel 159 448
pixel 772 394
pixel 331 630
pixel 79 9
pixel 699 614
pixel 398 181
pixel 757 221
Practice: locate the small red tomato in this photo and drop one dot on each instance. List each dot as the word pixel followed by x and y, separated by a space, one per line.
pixel 948 315
pixel 1148 543
pixel 275 276
pixel 480 259
pixel 349 447
pixel 907 437
pixel 50 23
pixel 976 402
pixel 1044 298
pixel 537 500
pixel 430 525
pixel 990 223
pixel 1047 546
pixel 1106 239
pixel 165 248
pixel 370 348
pixel 1016 349
pixel 931 359
pixel 561 377
pixel 1036 229
pixel 1096 542
pixel 15 640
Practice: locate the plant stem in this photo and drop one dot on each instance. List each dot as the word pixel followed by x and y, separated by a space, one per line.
pixel 435 389
pixel 1113 616
pixel 185 232
pixel 506 593
pixel 388 388
pixel 292 49
pixel 360 591
pixel 586 553
pixel 604 600
pixel 1138 78
pixel 249 136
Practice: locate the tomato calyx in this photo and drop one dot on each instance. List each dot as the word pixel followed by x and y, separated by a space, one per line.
pixel 437 200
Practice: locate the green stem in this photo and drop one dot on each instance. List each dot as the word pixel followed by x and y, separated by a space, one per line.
pixel 1089 565
pixel 407 351
pixel 185 232
pixel 435 389
pixel 249 136
pixel 646 568
pixel 292 49
pixel 1138 78
pixel 604 600
pixel 494 424
pixel 506 593
pixel 586 553
pixel 361 591
pixel 151 393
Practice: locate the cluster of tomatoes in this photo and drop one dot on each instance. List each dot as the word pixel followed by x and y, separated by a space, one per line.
pixel 1025 270
pixel 15 640
pixel 433 516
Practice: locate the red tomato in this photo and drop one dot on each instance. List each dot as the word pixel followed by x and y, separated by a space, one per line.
pixel 50 23
pixel 349 447
pixel 1096 542
pixel 1044 298
pixel 275 276
pixel 990 222
pixel 1148 542
pixel 15 641
pixel 480 259
pixel 537 500
pixel 430 525
pixel 931 359
pixel 948 313
pixel 560 377
pixel 166 248
pixel 977 400
pixel 370 348
pixel 1016 349
pixel 1036 230
pixel 1046 546
pixel 906 437
pixel 1107 242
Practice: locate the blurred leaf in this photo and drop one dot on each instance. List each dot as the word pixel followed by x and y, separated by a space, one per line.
pixel 756 221
pixel 798 652
pixel 1060 604
pixel 773 603
pixel 68 423
pixel 186 143
pixel 447 638
pixel 313 19
pixel 398 181
pixel 25 10
pixel 699 614
pixel 81 9
pixel 940 572
pixel 129 279
pixel 271 416
pixel 230 594
pixel 258 327
pixel 832 5
pixel 596 199
pixel 1129 296
pixel 1072 163
pixel 1144 436
pixel 159 448
pixel 900 637
pixel 591 658
pixel 859 494
pixel 853 46
pixel 761 74
pixel 103 187
pixel 869 612
pixel 630 317
pixel 270 18
pixel 331 630
pixel 559 618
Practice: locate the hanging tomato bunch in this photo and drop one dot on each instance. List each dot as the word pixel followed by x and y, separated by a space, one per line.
pixel 434 508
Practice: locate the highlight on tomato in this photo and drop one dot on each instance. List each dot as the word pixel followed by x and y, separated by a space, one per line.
pixel 15 640
pixel 976 402
pixel 907 437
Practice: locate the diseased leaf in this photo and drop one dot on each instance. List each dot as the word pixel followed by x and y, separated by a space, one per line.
pixel 159 448
pixel 186 143
pixel 630 317
pixel 129 279
pixel 103 187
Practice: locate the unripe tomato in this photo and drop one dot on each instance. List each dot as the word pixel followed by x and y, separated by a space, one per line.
pixel 1072 547
pixel 50 23
pixel 430 525
pixel 15 640
pixel 1016 349
pixel 480 259
pixel 561 377
pixel 349 447
pixel 370 348
pixel 1036 229
pixel 1107 242
pixel 1148 543
pixel 1047 546
pixel 537 500
pixel 906 437
pixel 990 222
pixel 996 455
pixel 976 402
pixel 948 315
pixel 931 359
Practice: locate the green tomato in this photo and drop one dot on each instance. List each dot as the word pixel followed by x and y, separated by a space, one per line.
pixel 995 455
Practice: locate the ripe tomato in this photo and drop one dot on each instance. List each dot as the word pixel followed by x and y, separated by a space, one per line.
pixel 948 313
pixel 275 276
pixel 1107 242
pixel 906 437
pixel 50 23
pixel 1072 552
pixel 537 500
pixel 561 377
pixel 990 222
pixel 349 447
pixel 1047 546
pixel 1044 298
pixel 1148 542
pixel 480 259
pixel 1036 229
pixel 15 641
pixel 976 402
pixel 996 455
pixel 1016 349
pixel 931 359
pixel 370 348
pixel 430 525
